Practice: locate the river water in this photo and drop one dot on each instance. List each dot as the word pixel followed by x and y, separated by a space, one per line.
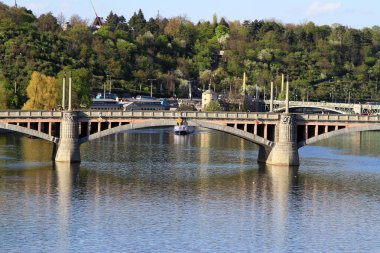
pixel 151 191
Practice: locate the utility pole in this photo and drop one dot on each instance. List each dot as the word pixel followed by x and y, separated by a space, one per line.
pixel 257 92
pixel 349 96
pixel 64 92
pixel 190 89
pixel 271 97
pixel 151 86
pixel 70 86
pixel 109 78
pixel 16 3
pixel 287 95
pixel 104 90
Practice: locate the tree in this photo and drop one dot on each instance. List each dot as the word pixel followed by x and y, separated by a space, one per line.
pixel 137 23
pixel 42 92
pixel 213 106
pixel 81 89
pixel 48 23
pixel 221 30
pixel 116 22
pixel 4 93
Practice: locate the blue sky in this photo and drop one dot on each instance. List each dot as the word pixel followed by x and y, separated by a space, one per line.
pixel 352 13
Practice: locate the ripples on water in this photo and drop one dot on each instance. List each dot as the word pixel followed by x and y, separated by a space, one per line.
pixel 151 191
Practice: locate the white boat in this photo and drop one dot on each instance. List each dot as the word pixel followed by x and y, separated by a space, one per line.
pixel 182 128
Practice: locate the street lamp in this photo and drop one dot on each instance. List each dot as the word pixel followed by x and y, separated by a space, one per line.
pixel 151 86
pixel 349 96
pixel 190 97
pixel 109 79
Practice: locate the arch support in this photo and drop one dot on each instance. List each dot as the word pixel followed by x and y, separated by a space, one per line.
pixel 285 151
pixel 68 146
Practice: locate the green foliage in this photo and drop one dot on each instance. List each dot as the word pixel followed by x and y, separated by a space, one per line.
pixel 213 106
pixel 317 59
pixel 186 107
pixel 4 93
pixel 221 30
pixel 81 89
pixel 48 23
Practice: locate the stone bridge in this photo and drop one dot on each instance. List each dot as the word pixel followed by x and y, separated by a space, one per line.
pixel 341 108
pixel 279 136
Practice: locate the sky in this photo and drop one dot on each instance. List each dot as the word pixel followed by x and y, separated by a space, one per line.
pixel 351 13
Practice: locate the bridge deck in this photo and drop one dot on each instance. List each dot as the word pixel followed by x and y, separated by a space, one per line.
pixel 7 116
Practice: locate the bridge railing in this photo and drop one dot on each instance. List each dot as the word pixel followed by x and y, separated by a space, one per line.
pixel 190 114
pixel 169 114
pixel 327 104
pixel 339 117
pixel 30 114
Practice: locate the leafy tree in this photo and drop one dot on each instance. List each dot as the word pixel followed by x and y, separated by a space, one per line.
pixel 221 30
pixel 81 89
pixel 4 93
pixel 213 106
pixel 114 22
pixel 316 58
pixel 137 23
pixel 48 23
pixel 42 92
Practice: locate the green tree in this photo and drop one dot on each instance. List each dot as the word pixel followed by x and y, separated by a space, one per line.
pixel 4 93
pixel 213 106
pixel 48 23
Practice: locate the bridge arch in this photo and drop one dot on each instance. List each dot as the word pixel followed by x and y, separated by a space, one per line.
pixel 29 132
pixel 348 130
pixel 172 122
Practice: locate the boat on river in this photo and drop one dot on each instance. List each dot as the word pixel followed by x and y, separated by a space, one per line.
pixel 182 127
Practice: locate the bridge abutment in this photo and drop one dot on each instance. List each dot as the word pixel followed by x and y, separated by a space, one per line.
pixel 68 147
pixel 285 150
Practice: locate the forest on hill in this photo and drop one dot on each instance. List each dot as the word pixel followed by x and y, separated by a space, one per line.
pixel 330 63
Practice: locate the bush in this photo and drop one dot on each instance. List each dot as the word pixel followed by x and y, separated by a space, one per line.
pixel 213 106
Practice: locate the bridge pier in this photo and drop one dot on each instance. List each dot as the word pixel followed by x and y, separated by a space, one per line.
pixel 285 150
pixel 68 147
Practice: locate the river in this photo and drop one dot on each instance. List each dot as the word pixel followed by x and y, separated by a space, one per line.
pixel 150 191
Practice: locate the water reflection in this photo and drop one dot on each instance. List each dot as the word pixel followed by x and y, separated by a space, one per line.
pixel 359 143
pixel 66 175
pixel 149 191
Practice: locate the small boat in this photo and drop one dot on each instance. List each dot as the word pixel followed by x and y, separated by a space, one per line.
pixel 182 128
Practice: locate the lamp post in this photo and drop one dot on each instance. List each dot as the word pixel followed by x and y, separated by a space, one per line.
pixel 151 86
pixel 190 97
pixel 64 91
pixel 109 79
pixel 349 96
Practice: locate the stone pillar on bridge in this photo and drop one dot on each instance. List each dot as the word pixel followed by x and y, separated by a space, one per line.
pixel 285 150
pixel 358 108
pixel 68 147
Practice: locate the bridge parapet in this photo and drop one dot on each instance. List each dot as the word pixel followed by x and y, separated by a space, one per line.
pixel 30 114
pixel 345 108
pixel 338 118
pixel 172 115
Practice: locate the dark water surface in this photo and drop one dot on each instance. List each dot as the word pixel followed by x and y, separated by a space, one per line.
pixel 151 191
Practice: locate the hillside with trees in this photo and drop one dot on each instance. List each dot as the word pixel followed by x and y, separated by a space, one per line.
pixel 329 63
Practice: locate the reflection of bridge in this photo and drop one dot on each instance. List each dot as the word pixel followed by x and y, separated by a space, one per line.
pixel 343 108
pixel 279 136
